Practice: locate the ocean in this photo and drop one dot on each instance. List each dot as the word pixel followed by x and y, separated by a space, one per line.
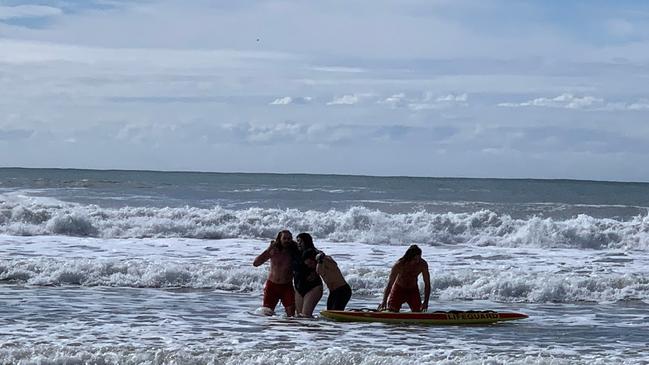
pixel 138 267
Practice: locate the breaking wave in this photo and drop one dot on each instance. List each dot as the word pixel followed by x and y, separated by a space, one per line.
pixel 357 224
pixel 508 286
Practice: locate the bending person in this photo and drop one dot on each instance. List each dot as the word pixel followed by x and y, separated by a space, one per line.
pixel 281 253
pixel 339 291
pixel 308 285
pixel 402 285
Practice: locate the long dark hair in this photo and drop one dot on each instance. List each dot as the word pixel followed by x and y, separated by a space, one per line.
pixel 410 254
pixel 309 254
pixel 278 240
pixel 307 241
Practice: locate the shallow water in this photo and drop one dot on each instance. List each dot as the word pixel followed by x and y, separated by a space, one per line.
pixel 119 267
pixel 177 302
pixel 118 325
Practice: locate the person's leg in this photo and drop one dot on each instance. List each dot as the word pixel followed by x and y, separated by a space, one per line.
pixel 299 303
pixel 331 301
pixel 290 310
pixel 311 299
pixel 396 299
pixel 288 299
pixel 345 293
pixel 414 300
pixel 339 297
pixel 271 297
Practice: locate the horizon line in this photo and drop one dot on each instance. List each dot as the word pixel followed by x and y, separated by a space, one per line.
pixel 321 174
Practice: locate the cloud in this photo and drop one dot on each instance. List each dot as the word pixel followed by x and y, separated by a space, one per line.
pixel 291 100
pixel 570 101
pixel 28 11
pixel 644 105
pixel 395 100
pixel 628 106
pixel 451 98
pixel 566 100
pixel 272 134
pixel 345 100
pixel 210 85
pixel 351 99
pixel 430 101
pixel 556 140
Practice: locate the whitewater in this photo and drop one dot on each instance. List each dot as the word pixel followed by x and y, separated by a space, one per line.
pixel 119 267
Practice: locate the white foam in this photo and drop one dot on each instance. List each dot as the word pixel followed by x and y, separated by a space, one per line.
pixel 357 224
pixel 457 273
pixel 330 355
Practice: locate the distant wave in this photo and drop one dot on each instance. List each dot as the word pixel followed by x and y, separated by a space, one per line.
pixel 505 286
pixel 357 224
pixel 300 190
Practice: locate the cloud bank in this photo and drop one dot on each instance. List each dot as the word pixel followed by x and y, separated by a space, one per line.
pixel 415 88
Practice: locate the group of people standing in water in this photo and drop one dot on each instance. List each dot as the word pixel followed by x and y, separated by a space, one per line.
pixel 297 272
pixel 298 269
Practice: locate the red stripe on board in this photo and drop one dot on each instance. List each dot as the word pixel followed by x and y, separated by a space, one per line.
pixel 440 316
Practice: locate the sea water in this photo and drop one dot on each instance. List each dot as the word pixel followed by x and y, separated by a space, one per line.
pixel 133 267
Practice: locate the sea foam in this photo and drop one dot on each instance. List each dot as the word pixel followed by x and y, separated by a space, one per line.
pixel 513 285
pixel 356 224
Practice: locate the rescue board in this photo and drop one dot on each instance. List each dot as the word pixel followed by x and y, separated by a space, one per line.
pixel 432 318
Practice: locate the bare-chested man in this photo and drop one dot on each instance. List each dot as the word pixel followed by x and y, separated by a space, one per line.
pixel 279 285
pixel 402 285
pixel 339 291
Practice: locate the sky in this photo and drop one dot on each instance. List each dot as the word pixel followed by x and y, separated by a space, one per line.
pixel 457 88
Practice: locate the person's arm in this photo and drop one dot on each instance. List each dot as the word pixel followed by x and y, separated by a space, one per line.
pixel 321 260
pixel 393 276
pixel 426 276
pixel 264 256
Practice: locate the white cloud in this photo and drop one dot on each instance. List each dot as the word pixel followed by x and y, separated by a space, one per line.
pixel 451 98
pixel 344 100
pixel 395 100
pixel 284 132
pixel 431 101
pixel 628 106
pixel 282 101
pixel 570 101
pixel 291 100
pixel 350 99
pixel 28 11
pixel 86 70
pixel 644 105
pixel 566 100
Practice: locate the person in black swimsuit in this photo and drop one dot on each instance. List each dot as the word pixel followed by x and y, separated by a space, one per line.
pixel 307 282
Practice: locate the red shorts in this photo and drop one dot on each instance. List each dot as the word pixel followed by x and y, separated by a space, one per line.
pixel 399 295
pixel 273 293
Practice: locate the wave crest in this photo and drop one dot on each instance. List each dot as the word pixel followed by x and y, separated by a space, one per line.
pixel 357 224
pixel 509 286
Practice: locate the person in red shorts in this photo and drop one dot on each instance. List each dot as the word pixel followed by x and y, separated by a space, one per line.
pixel 402 285
pixel 279 286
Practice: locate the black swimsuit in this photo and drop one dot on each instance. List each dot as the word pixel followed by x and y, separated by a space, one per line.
pixel 305 279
